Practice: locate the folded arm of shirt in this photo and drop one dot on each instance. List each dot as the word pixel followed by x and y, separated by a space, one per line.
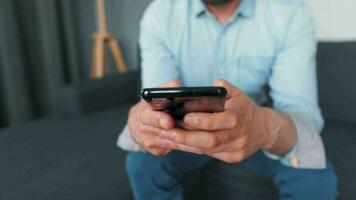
pixel 158 64
pixel 294 91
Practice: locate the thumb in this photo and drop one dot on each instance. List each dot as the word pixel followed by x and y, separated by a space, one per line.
pixel 232 91
pixel 172 83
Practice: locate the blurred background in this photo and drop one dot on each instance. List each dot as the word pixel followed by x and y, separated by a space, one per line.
pixel 46 44
pixel 59 126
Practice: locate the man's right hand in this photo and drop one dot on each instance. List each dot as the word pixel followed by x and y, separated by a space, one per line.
pixel 146 124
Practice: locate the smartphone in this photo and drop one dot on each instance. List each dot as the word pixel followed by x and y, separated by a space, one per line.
pixel 182 100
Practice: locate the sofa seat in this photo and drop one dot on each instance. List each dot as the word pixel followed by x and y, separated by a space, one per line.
pixel 65 158
pixel 76 158
pixel 340 143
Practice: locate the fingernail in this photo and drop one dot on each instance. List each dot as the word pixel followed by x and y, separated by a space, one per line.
pixel 190 120
pixel 194 121
pixel 163 124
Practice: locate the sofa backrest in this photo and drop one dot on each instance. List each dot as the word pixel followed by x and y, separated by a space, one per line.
pixel 337 80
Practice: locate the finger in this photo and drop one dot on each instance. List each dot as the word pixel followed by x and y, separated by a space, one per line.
pixel 200 139
pixel 232 91
pixel 206 104
pixel 172 83
pixel 211 121
pixel 156 119
pixel 235 145
pixel 235 98
pixel 229 157
pixel 149 130
pixel 163 143
pixel 158 151
pixel 181 124
pixel 151 147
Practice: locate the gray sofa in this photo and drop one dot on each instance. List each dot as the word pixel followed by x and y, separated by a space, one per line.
pixel 73 155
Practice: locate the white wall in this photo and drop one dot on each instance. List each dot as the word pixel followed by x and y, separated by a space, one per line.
pixel 335 19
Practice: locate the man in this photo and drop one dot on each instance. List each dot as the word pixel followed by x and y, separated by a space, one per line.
pixel 241 45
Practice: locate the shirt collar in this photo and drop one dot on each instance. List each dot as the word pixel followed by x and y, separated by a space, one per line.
pixel 246 8
pixel 199 7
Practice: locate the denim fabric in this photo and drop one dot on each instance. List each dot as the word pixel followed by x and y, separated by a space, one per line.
pixel 159 178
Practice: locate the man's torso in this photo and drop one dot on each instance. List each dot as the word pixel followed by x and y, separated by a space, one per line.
pixel 241 51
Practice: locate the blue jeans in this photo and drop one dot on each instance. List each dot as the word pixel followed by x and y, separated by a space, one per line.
pixel 158 178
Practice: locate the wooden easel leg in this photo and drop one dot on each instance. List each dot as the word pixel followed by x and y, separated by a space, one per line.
pixel 116 52
pixel 106 60
pixel 98 61
pixel 94 61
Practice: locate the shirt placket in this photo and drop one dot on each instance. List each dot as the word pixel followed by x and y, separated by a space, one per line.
pixel 220 55
pixel 222 50
pixel 217 35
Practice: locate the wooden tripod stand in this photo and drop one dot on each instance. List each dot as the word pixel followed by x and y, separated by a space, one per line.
pixel 101 39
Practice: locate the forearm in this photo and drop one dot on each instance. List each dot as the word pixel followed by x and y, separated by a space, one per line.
pixel 280 131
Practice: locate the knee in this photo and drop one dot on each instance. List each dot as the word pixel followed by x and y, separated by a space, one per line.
pixel 145 170
pixel 331 178
pixel 308 184
pixel 325 182
pixel 137 163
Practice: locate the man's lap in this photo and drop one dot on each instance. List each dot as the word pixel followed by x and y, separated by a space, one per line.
pixel 181 162
pixel 168 170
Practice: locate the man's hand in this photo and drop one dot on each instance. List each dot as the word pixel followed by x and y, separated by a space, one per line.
pixel 145 124
pixel 233 135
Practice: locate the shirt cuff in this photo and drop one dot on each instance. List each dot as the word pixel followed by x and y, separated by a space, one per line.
pixel 126 142
pixel 308 152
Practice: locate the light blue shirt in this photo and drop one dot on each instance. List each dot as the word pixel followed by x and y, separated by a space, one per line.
pixel 266 42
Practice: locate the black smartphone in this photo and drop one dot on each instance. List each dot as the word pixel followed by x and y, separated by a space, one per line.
pixel 182 100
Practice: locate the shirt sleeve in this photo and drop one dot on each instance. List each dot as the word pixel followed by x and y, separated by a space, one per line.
pixel 157 63
pixel 293 84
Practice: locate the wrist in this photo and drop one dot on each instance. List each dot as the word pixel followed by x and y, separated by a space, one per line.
pixel 270 127
pixel 280 131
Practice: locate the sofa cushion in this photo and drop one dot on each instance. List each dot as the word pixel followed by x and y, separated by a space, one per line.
pixel 340 143
pixel 96 95
pixel 337 80
pixel 65 158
